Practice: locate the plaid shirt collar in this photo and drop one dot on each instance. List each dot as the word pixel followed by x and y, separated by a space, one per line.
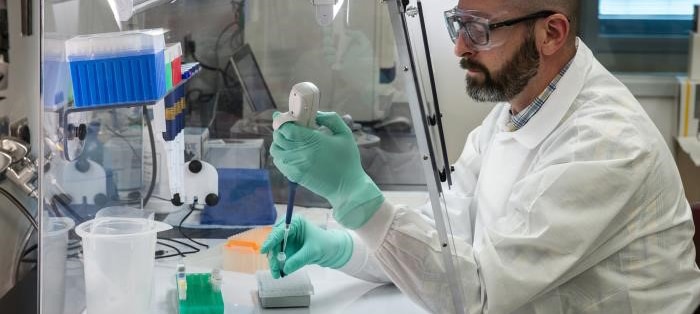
pixel 519 120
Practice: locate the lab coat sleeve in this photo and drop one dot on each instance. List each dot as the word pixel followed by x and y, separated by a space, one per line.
pixel 363 263
pixel 407 247
pixel 566 215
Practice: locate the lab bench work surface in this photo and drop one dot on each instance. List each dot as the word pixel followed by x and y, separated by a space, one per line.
pixel 334 292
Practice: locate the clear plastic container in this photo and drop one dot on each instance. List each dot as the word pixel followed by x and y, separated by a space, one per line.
pixel 119 262
pixel 124 212
pixel 118 67
pixel 53 262
pixel 241 253
pixel 56 76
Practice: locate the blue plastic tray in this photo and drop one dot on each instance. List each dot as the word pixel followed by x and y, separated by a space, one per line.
pixel 245 199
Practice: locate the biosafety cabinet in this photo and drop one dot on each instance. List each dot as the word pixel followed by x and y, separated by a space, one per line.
pixel 150 134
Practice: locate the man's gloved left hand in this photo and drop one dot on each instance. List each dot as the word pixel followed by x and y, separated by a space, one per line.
pixel 328 164
pixel 307 244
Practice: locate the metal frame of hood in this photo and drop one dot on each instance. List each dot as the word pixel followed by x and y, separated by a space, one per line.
pixel 408 66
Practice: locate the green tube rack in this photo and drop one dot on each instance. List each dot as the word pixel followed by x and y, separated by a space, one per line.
pixel 201 298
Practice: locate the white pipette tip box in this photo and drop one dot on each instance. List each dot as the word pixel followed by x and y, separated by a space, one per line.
pixel 294 290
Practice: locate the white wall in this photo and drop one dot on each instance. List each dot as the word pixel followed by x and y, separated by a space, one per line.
pixel 656 94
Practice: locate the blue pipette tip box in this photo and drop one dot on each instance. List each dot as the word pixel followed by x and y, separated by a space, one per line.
pixel 115 68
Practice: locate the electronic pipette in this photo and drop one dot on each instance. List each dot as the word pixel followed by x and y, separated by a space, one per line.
pixel 304 100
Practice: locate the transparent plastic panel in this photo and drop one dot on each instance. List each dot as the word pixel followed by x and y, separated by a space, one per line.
pixel 248 55
pixel 274 45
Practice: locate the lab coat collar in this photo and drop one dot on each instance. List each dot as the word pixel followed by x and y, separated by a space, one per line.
pixel 551 113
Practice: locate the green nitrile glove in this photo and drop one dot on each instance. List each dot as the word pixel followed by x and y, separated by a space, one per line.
pixel 307 244
pixel 328 164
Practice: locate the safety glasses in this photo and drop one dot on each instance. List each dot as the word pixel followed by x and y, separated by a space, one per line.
pixel 477 27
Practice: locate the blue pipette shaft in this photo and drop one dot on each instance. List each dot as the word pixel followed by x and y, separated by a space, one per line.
pixel 288 217
pixel 290 203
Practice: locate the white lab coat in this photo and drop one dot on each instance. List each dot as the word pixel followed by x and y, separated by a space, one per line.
pixel 580 211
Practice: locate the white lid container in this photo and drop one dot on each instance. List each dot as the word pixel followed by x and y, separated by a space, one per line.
pixel 95 46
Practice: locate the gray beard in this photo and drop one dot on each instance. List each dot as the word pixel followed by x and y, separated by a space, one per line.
pixel 511 80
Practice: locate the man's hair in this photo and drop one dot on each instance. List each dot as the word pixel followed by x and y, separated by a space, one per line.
pixel 570 8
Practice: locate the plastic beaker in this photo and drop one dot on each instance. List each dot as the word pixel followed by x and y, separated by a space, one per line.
pixel 54 253
pixel 119 261
pixel 123 212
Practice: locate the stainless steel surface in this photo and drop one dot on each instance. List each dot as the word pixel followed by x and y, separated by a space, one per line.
pixel 5 160
pixel 17 128
pixel 24 175
pixel 15 148
pixel 15 230
pixel 22 171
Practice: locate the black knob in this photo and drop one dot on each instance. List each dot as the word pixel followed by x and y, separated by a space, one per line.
pixel 432 120
pixel 82 131
pixel 195 166
pixel 176 200
pixel 24 134
pixel 211 199
pixel 100 199
pixel 134 195
pixel 82 165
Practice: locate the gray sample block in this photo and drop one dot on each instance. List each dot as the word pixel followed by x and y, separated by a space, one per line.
pixel 294 290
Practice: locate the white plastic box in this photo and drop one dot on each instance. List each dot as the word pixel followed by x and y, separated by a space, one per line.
pixel 235 153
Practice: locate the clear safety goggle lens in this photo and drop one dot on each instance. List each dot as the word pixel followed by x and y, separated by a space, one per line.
pixel 475 28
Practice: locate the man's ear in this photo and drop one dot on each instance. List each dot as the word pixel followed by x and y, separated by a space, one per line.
pixel 553 33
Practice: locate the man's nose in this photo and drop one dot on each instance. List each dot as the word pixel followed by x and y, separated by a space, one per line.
pixel 463 47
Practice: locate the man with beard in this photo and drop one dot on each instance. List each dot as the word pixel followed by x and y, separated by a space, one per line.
pixel 569 199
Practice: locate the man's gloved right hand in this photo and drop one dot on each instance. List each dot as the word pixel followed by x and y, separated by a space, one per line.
pixel 307 244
